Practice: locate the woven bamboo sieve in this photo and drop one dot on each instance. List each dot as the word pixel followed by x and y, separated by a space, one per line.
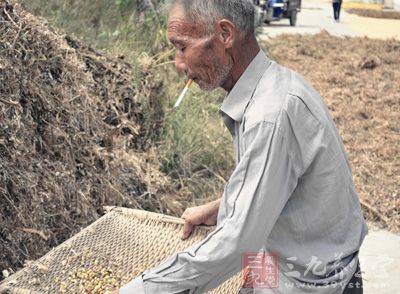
pixel 110 252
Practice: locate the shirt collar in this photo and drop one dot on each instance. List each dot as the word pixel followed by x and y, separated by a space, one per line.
pixel 237 99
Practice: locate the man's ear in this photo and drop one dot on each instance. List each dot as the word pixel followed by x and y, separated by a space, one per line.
pixel 227 32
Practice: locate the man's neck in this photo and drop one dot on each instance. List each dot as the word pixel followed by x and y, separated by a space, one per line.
pixel 242 55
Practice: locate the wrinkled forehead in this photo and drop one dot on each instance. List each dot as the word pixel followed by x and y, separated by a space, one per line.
pixel 179 25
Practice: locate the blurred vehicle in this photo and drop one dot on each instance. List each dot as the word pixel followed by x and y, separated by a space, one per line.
pixel 274 10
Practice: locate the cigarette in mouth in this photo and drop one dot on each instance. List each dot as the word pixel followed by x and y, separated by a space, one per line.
pixel 183 93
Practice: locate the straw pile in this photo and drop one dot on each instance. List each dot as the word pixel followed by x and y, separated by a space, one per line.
pixel 70 137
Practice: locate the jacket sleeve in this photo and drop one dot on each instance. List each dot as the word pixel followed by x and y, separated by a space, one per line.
pixel 253 199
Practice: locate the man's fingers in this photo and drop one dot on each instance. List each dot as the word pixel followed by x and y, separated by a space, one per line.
pixel 185 213
pixel 187 230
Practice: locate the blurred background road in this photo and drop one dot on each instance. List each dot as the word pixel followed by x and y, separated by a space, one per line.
pixel 317 15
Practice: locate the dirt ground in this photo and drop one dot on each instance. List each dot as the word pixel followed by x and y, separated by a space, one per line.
pixel 380 28
pixel 375 13
pixel 358 78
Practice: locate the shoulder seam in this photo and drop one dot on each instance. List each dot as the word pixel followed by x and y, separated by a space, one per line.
pixel 298 171
pixel 306 106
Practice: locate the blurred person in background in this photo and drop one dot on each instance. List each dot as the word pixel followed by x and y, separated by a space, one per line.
pixel 336 9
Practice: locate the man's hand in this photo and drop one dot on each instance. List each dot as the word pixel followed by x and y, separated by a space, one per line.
pixel 204 214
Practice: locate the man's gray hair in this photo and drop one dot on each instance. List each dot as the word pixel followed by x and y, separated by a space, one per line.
pixel 207 12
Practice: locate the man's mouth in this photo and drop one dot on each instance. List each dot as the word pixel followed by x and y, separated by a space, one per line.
pixel 197 80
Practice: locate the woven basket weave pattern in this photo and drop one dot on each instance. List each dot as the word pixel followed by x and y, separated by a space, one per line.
pixel 117 247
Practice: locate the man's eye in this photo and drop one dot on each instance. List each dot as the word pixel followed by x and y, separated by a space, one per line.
pixel 180 48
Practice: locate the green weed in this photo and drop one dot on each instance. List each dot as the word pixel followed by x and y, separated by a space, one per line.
pixel 190 142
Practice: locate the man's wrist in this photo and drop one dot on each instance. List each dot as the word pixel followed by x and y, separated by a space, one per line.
pixel 135 286
pixel 217 202
pixel 216 205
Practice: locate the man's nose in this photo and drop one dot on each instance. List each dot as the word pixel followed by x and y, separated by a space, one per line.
pixel 180 63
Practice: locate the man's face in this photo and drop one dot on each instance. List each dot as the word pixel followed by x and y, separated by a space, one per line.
pixel 202 57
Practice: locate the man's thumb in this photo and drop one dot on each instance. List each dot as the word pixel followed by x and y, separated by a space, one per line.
pixel 187 230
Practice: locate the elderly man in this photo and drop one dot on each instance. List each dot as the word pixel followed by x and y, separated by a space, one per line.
pixel 291 199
